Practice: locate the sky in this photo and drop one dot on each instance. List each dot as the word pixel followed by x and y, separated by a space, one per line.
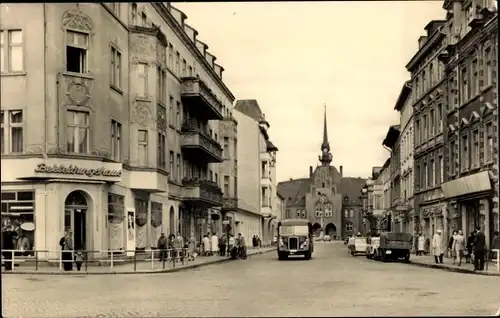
pixel 295 57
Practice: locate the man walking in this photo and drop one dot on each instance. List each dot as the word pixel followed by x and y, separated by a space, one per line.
pixel 459 247
pixel 162 246
pixel 437 247
pixel 479 249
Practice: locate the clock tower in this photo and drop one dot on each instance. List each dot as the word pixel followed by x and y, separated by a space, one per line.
pixel 326 156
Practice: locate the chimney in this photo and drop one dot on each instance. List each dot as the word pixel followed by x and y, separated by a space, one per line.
pixel 310 171
pixel 291 179
pixel 421 41
pixel 341 172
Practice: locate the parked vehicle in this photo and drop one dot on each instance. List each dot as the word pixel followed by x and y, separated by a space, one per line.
pixel 372 245
pixel 327 238
pixel 394 246
pixel 358 246
pixel 295 237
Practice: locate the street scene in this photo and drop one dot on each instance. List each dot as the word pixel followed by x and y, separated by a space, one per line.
pixel 333 283
pixel 250 159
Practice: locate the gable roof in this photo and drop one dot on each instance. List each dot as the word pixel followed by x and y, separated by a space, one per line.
pixel 295 190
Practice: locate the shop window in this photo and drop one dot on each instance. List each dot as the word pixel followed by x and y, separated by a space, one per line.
pixel 77 45
pixel 141 217
pixel 11 131
pixel 156 221
pixel 116 215
pixel 18 215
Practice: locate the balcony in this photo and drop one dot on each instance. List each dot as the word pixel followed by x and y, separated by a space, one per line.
pixel 203 193
pixel 265 181
pixel 229 204
pixel 198 97
pixel 196 143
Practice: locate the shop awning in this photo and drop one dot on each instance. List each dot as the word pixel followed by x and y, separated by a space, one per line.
pixel 475 183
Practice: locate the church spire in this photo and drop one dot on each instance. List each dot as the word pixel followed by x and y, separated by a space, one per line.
pixel 326 156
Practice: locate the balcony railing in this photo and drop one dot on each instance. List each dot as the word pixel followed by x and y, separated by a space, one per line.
pixel 201 190
pixel 197 96
pixel 229 203
pixel 197 141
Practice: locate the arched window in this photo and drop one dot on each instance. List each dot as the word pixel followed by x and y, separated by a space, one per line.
pixel 328 210
pixel 351 213
pixel 346 213
pixel 349 226
pixel 304 214
pixel 318 210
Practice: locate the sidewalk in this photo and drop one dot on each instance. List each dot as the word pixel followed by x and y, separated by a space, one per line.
pixel 141 267
pixel 428 261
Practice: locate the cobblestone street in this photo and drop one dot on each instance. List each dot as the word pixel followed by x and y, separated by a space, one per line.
pixel 332 283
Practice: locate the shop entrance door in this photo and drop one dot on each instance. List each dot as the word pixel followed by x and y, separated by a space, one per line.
pixel 75 218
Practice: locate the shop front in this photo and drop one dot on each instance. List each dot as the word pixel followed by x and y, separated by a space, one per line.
pixel 471 200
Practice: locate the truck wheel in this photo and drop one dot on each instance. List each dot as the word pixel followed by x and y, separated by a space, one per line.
pixel 308 256
pixel 407 258
pixel 282 256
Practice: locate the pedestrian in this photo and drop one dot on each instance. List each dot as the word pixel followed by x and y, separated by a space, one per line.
pixel 242 246
pixel 206 245
pixel 259 242
pixel 479 249
pixel 470 244
pixel 162 246
pixel 437 247
pixel 191 247
pixel 9 237
pixel 178 247
pixel 66 243
pixel 421 244
pixel 459 247
pixel 214 244
pixel 451 252
pixel 78 260
pixel 231 243
pixel 222 245
pixel 254 241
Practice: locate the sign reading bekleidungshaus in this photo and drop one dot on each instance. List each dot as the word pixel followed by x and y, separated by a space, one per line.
pixel 76 170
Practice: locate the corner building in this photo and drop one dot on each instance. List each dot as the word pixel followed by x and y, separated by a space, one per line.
pixel 111 124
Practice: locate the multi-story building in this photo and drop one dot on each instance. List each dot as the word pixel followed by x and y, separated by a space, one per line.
pixel 385 178
pixel 427 100
pixel 329 200
pixel 256 173
pixel 405 204
pixel 391 142
pixel 373 201
pixel 117 138
pixel 471 74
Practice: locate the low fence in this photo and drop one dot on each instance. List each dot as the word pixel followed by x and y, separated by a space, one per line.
pixel 158 258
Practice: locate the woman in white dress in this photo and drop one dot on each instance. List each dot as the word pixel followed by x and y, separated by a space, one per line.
pixel 215 244
pixel 206 245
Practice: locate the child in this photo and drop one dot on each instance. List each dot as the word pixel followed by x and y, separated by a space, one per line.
pixel 78 260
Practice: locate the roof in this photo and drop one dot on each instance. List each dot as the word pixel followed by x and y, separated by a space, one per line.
pixel 270 146
pixel 249 107
pixel 392 136
pixel 294 191
pixel 295 222
pixel 351 187
pixel 403 96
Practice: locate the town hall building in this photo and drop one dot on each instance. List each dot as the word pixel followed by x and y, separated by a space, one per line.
pixel 327 198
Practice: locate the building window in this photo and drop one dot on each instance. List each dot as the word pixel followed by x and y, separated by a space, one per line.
pixel 441 169
pixel 178 120
pixel 116 135
pixel 349 226
pixel 116 65
pixel 464 164
pixel 116 215
pixel 424 128
pixel 11 51
pixel 171 165
pixel 474 79
pixel 431 73
pixel 171 110
pixel 178 167
pixel 115 7
pixel 162 147
pixel 431 123
pixel 143 147
pixel 298 213
pixel 77 46
pixel 161 85
pixel 226 186
pixel 77 131
pixel 177 63
pixel 432 173
pixel 144 19
pixel 475 148
pixel 184 67
pixel 488 133
pixel 156 221
pixel 134 13
pixel 318 210
pixel 304 214
pixel 12 131
pixel 351 213
pixel 417 129
pixel 170 56
pixel 328 210
pixel 226 147
pixel 488 72
pixel 452 158
pixel 18 210
pixel 464 87
pixel 142 79
pixel 425 178
pixel 190 71
pixel 439 118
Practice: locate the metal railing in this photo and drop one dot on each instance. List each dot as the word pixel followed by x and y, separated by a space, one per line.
pixel 164 257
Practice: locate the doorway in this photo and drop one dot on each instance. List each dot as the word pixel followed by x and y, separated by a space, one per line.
pixel 75 218
pixel 172 221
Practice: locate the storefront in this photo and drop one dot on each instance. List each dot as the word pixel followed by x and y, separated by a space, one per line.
pixel 96 200
pixel 470 200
